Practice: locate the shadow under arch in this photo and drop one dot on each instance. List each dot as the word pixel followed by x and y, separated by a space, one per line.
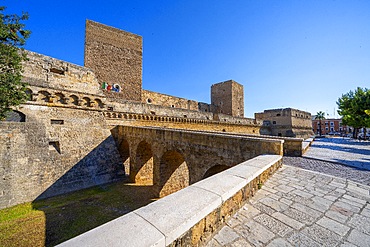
pixel 174 173
pixel 214 170
pixel 124 150
pixel 142 171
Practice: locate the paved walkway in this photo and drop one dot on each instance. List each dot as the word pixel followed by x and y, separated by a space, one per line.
pixel 299 207
pixel 341 150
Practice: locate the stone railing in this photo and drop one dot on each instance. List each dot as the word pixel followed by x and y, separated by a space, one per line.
pixel 188 217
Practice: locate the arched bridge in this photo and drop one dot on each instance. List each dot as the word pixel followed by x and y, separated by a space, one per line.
pixel 170 160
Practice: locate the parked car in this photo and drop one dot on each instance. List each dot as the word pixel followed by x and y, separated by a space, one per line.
pixel 362 137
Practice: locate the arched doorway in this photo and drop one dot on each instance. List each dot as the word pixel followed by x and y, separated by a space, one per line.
pixel 142 173
pixel 174 173
pixel 214 170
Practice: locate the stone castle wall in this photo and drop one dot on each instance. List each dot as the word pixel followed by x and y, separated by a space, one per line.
pixel 154 98
pixel 287 122
pixel 228 98
pixel 48 72
pixel 57 150
pixel 116 58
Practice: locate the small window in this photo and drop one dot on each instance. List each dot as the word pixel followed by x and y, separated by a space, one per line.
pixel 110 108
pixel 149 101
pixel 278 115
pixel 152 112
pixel 185 116
pixel 173 106
pixel 56 121
pixel 273 122
pixel 331 123
pixel 57 71
pixel 54 146
pixel 279 134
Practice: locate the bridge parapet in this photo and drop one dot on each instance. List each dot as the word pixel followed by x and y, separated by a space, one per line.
pixel 155 153
pixel 188 217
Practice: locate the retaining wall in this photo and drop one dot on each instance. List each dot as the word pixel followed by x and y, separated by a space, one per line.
pixel 188 217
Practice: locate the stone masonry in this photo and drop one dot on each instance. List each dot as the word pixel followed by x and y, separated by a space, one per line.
pixel 62 140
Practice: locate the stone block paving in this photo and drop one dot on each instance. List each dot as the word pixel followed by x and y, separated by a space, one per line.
pixel 320 199
pixel 341 150
pixel 298 207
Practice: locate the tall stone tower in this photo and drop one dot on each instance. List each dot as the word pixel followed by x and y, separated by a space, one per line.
pixel 116 58
pixel 228 98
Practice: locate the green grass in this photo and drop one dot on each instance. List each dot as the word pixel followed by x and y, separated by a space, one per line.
pixel 54 220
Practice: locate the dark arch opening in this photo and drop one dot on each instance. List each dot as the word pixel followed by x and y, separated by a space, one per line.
pixel 142 173
pixel 44 96
pixel 124 150
pixel 74 99
pixel 60 98
pixel 86 102
pixel 174 173
pixel 214 170
pixel 15 116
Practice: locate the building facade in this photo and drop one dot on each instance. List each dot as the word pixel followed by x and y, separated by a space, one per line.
pixel 287 122
pixel 331 126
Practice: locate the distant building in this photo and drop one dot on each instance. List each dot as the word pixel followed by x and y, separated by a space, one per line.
pixel 287 122
pixel 330 126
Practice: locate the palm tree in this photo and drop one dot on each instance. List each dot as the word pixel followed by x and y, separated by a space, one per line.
pixel 320 115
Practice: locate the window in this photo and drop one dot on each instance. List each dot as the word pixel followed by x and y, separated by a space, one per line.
pixel 332 129
pixel 278 115
pixel 331 123
pixel 56 121
pixel 149 101
pixel 326 128
pixel 273 122
pixel 57 71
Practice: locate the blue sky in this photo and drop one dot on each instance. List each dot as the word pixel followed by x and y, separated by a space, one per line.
pixel 299 54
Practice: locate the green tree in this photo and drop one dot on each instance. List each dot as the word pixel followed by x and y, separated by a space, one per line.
pixel 352 106
pixel 321 116
pixel 12 39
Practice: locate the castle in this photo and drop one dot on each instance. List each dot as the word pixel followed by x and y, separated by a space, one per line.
pixel 65 137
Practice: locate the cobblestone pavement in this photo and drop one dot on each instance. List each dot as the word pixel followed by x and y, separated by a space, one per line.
pixel 337 170
pixel 341 150
pixel 327 205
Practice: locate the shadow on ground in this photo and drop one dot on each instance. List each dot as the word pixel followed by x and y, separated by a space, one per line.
pixel 73 214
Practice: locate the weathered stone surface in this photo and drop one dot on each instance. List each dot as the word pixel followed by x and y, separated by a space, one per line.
pixel 131 230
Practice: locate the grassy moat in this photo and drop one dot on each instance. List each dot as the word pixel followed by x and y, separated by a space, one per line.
pixel 51 221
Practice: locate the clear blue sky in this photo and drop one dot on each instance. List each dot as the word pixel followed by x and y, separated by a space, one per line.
pixel 299 54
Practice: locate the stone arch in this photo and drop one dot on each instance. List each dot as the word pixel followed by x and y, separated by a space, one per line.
pixel 44 96
pixel 174 173
pixel 86 102
pixel 29 94
pixel 99 103
pixel 124 150
pixel 15 116
pixel 74 99
pixel 214 170
pixel 142 173
pixel 60 98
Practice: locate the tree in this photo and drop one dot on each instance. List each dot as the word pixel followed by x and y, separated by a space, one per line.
pixel 321 116
pixel 353 106
pixel 12 39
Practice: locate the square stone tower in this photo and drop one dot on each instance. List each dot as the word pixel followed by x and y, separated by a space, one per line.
pixel 116 58
pixel 228 98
